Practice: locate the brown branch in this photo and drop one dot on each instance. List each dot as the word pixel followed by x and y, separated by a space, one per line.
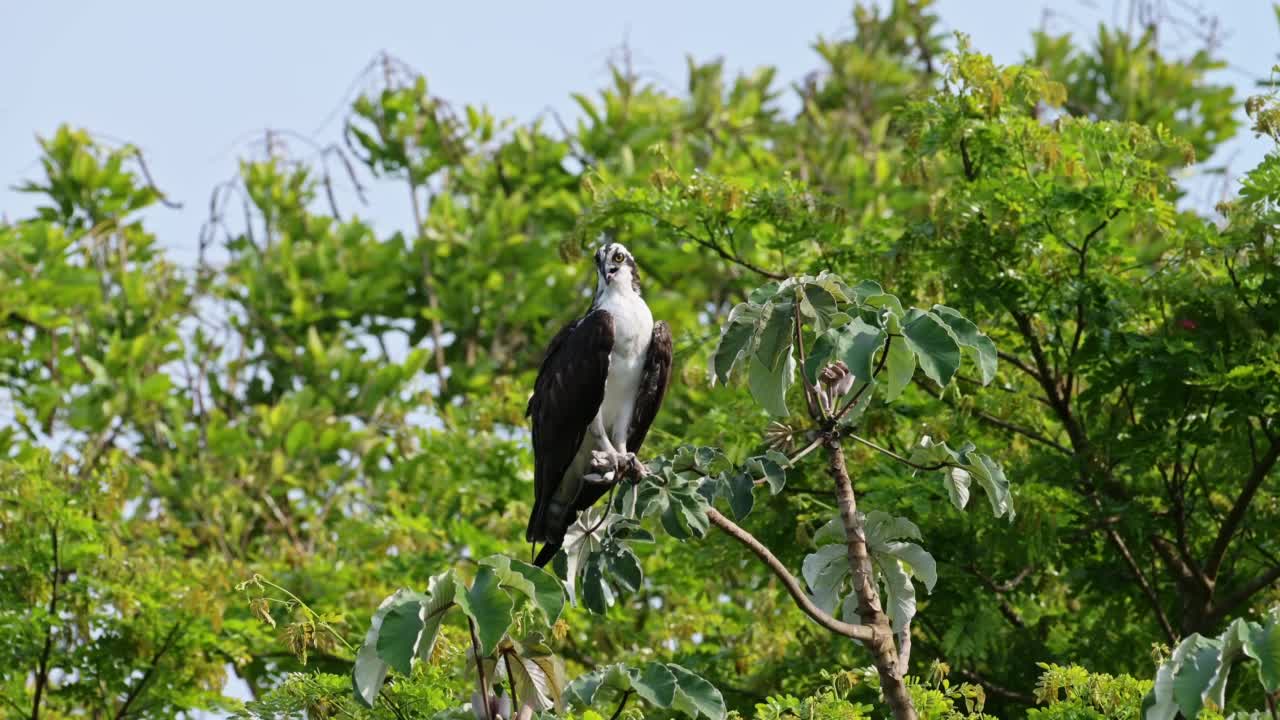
pixel 1240 507
pixel 999 589
pixel 862 633
pixel 1114 536
pixel 42 673
pixel 136 690
pixel 883 652
pixel 1002 423
pixel 1241 596
pixel 995 689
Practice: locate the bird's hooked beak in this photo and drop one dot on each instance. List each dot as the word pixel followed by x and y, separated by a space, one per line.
pixel 610 271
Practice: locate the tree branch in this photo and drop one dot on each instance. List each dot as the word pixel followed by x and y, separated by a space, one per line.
pixel 882 649
pixel 1241 596
pixel 862 633
pixel 1114 536
pixel 1001 423
pixel 1240 507
pixel 42 673
pixel 136 690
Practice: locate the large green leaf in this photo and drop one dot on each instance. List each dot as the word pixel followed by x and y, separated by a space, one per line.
pixel 933 345
pixel 734 339
pixel 818 304
pixel 655 684
pixel 899 593
pixel 825 571
pixel 976 345
pixel 776 338
pixel 489 607
pixel 899 368
pixel 1262 643
pixel 696 696
pixel 398 638
pixel 370 671
pixel 537 585
pixel 1192 676
pixel 441 592
pixel 769 387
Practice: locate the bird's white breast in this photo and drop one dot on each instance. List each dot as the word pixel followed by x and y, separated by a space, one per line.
pixel 632 332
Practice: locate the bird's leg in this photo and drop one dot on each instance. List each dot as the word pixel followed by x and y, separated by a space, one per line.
pixel 628 463
pixel 605 463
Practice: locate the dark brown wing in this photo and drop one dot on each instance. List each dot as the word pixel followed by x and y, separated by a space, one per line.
pixel 653 386
pixel 566 398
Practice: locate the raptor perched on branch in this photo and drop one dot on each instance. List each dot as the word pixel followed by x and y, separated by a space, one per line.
pixel 598 391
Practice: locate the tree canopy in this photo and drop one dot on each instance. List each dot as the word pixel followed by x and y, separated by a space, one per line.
pixel 1061 418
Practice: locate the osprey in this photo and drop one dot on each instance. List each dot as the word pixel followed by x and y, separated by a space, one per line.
pixel 597 392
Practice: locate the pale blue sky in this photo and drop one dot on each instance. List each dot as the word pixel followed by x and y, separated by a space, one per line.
pixel 192 83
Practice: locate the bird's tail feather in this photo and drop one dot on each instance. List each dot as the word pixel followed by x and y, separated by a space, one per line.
pixel 546 554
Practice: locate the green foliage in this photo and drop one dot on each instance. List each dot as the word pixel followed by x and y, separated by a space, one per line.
pixel 1073 692
pixel 333 409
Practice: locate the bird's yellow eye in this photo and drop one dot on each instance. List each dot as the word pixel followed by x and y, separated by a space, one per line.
pixel 618 257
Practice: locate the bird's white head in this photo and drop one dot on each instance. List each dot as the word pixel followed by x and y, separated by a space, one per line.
pixel 616 270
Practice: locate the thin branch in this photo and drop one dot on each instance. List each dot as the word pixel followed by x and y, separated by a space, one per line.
pixel 861 633
pixel 1241 596
pixel 1240 507
pixel 622 703
pixel 136 690
pixel 1017 362
pixel 1114 536
pixel 511 679
pixel 1002 423
pixel 1006 608
pixel 42 674
pixel 810 391
pixel 896 456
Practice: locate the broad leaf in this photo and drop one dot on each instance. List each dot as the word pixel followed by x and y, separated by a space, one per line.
pixel 769 386
pixel 541 588
pixel 370 671
pixel 898 369
pixel 696 696
pixel 489 607
pixel 976 345
pixel 855 344
pixel 1262 643
pixel 398 638
pixel 734 339
pixel 825 571
pixel 933 345
pixel 654 683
